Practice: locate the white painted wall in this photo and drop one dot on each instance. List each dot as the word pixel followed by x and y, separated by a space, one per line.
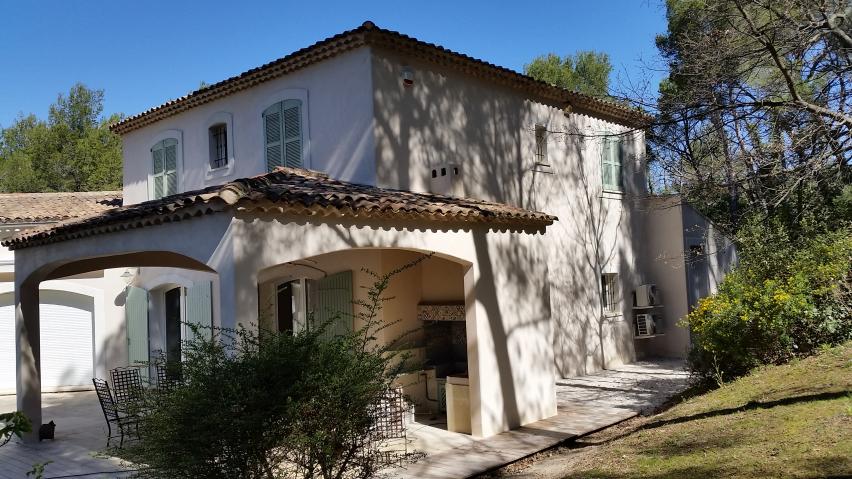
pixel 450 118
pixel 508 323
pixel 672 226
pixel 340 119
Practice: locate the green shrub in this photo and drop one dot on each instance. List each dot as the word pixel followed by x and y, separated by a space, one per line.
pixel 269 405
pixel 13 424
pixel 775 305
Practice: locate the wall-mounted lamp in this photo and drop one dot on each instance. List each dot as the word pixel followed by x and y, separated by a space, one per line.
pixel 127 276
pixel 407 77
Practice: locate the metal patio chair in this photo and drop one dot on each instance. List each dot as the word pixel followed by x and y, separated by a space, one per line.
pixel 389 429
pixel 127 387
pixel 126 423
pixel 167 377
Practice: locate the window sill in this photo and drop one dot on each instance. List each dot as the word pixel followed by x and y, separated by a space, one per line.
pixel 221 172
pixel 546 168
pixel 612 194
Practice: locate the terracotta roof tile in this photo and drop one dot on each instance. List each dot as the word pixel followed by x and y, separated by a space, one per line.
pixel 35 208
pixel 290 191
pixel 368 34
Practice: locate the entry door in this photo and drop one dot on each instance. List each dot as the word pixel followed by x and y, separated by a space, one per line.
pixel 288 306
pixel 174 327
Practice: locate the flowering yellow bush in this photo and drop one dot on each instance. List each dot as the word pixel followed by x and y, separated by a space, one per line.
pixel 756 320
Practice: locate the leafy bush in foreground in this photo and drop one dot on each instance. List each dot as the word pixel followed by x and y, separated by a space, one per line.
pixel 775 306
pixel 269 405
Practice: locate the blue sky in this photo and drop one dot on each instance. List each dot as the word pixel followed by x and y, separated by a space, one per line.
pixel 143 53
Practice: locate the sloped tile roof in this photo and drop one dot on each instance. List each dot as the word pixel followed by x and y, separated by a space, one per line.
pixel 36 208
pixel 368 34
pixel 290 191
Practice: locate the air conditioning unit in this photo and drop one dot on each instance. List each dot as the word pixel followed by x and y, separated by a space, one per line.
pixel 646 325
pixel 446 180
pixel 646 295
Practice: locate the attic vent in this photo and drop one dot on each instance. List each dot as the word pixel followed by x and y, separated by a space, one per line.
pixel 446 180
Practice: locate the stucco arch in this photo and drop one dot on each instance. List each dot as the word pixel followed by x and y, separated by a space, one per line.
pixel 273 271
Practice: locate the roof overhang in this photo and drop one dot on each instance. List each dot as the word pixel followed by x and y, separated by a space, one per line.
pixel 368 34
pixel 289 191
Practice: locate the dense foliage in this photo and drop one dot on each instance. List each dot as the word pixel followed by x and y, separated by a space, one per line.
pixel 585 72
pixel 753 128
pixel 782 301
pixel 73 150
pixel 273 404
pixel 754 117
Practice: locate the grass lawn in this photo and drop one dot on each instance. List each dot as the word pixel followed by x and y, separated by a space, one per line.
pixel 793 420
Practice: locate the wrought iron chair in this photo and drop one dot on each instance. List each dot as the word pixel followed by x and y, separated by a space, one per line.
pixel 127 386
pixel 126 423
pixel 389 432
pixel 167 377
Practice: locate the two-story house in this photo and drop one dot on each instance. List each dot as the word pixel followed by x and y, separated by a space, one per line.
pixel 262 199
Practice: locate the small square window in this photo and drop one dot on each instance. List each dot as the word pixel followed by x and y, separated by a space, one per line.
pixel 609 293
pixel 541 144
pixel 218 146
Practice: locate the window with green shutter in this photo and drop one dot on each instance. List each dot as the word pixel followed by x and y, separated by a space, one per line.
pixel 611 163
pixel 331 303
pixel 136 325
pixel 199 309
pixel 283 138
pixel 164 168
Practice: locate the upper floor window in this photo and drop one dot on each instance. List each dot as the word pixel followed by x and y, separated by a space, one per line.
pixel 218 134
pixel 612 163
pixel 220 146
pixel 283 135
pixel 164 161
pixel 541 144
pixel 609 293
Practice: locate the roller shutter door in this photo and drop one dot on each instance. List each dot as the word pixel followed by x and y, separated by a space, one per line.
pixel 66 340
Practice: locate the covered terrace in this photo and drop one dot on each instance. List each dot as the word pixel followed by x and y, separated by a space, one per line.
pixel 260 233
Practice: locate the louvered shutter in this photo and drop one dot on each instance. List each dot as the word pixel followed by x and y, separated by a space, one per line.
pixel 157 169
pixel 199 308
pixel 272 132
pixel 333 301
pixel 293 133
pixel 170 167
pixel 164 168
pixel 611 164
pixel 618 156
pixel 136 317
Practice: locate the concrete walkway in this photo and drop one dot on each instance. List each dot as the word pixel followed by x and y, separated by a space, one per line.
pixel 585 404
pixel 80 434
pixel 641 386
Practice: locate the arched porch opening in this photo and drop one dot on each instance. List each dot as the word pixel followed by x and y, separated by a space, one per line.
pixel 34 269
pixel 427 316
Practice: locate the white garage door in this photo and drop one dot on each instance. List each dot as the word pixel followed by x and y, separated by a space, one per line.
pixel 66 340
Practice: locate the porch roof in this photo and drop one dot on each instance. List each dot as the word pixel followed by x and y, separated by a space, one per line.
pixel 35 208
pixel 287 191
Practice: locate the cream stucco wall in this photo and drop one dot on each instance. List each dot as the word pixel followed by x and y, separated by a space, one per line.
pixel 509 333
pixel 672 227
pixel 450 118
pixel 666 268
pixel 340 128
